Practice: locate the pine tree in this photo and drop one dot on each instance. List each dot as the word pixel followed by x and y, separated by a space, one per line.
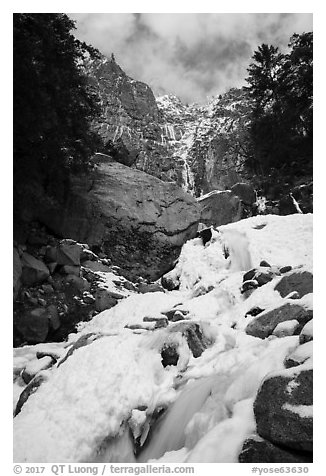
pixel 53 105
pixel 280 86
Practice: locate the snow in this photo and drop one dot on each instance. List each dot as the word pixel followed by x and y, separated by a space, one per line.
pixel 307 330
pixel 91 397
pixel 303 352
pixel 286 328
pixel 304 411
pixel 83 412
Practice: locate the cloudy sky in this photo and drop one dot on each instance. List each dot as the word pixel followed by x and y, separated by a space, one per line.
pixel 192 55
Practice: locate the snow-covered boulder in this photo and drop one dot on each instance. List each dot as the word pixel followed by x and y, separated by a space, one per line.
pixel 306 333
pixel 265 323
pixel 283 409
pixel 300 355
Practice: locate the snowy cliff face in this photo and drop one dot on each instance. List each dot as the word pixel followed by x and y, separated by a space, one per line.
pixel 205 140
pixel 193 145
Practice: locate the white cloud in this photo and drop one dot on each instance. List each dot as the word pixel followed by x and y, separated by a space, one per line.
pixel 188 54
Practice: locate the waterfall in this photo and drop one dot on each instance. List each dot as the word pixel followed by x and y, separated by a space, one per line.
pixel 238 246
pixel 177 427
pixel 295 203
pixel 188 178
pixel 171 132
pixel 116 133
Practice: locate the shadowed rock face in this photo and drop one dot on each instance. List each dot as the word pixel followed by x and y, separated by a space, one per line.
pixel 139 221
pixel 220 208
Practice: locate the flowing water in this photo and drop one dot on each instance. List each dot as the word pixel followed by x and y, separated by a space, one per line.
pixel 200 404
pixel 179 426
pixel 237 245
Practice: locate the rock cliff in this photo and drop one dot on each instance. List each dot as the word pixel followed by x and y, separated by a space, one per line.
pixel 193 145
pixel 139 221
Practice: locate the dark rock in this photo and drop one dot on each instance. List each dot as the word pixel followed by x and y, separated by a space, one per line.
pixel 285 269
pixel 254 311
pixel 176 315
pixel 264 277
pixel 170 355
pixel 248 285
pixel 245 192
pixel 34 270
pixel 274 409
pixel 88 298
pixel 149 288
pixel 47 288
pixel 52 267
pixel 78 284
pixel 129 286
pixel 68 253
pixel 53 316
pixel 134 327
pixel 51 254
pixel 37 237
pixel 159 321
pixel 249 275
pixel 263 325
pixel 169 282
pixel 28 391
pixel 205 235
pixel 103 300
pixel 96 266
pixel 300 281
pixel 87 255
pixel 264 264
pixel 67 269
pixel 256 450
pixel 17 272
pixel 287 206
pixel 220 208
pixel 33 325
pixel 197 341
